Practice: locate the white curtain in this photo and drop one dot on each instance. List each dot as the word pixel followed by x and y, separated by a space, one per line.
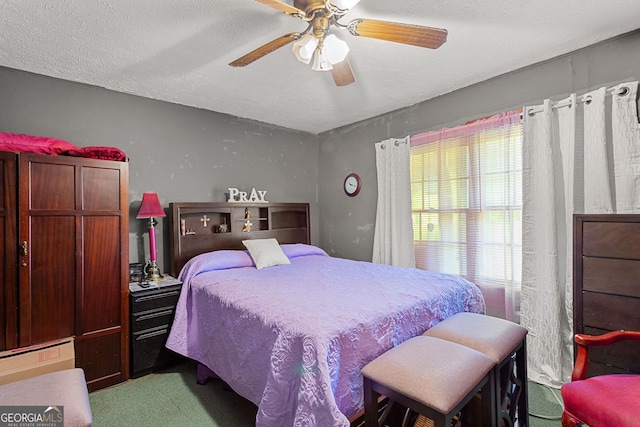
pixel 576 159
pixel 393 237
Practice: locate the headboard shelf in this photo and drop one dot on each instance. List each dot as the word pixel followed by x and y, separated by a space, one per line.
pixel 198 227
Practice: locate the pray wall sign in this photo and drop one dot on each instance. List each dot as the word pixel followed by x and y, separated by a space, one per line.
pixel 254 196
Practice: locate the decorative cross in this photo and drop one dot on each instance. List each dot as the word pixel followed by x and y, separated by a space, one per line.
pixel 205 220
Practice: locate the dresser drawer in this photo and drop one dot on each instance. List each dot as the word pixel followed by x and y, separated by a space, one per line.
pixel 610 312
pixel 611 239
pixel 620 357
pixel 612 276
pixel 153 300
pixel 152 319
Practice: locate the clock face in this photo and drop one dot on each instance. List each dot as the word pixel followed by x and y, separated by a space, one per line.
pixel 352 184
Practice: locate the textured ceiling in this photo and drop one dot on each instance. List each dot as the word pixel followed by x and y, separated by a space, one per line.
pixel 178 51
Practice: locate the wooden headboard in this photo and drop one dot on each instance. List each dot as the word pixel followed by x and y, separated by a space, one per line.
pixel 199 227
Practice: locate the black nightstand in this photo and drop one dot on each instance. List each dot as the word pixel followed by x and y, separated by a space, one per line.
pixel 152 310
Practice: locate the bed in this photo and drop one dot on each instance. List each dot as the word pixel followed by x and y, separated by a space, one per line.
pixel 293 337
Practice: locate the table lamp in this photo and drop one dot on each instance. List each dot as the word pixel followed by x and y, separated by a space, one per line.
pixel 150 208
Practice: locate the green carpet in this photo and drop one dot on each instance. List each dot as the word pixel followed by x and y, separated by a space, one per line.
pixel 172 398
pixel 545 402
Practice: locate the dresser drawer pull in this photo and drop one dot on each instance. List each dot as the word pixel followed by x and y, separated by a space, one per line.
pixel 151 334
pixel 153 315
pixel 157 296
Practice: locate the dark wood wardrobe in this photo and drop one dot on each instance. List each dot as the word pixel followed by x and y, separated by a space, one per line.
pixel 64 228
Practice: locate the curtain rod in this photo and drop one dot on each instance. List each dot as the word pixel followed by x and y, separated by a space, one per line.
pixel 397 142
pixel 619 91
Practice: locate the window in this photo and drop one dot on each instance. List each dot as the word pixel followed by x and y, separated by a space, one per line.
pixel 466 189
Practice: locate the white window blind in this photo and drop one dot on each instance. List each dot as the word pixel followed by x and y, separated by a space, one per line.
pixel 466 189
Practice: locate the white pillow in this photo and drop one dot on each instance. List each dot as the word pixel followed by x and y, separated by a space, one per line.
pixel 266 252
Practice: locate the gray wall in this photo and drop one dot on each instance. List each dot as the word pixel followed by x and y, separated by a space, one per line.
pixel 186 154
pixel 347 224
pixel 183 154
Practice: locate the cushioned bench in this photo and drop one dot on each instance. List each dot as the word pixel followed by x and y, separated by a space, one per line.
pixel 66 388
pixel 433 377
pixel 505 343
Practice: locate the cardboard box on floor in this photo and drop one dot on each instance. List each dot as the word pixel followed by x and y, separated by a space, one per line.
pixel 21 363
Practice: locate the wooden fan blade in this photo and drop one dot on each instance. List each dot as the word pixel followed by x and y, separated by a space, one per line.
pixel 342 73
pixel 283 7
pixel 265 50
pixel 415 35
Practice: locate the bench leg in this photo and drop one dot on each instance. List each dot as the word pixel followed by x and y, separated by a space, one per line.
pixel 523 398
pixel 370 404
pixel 489 398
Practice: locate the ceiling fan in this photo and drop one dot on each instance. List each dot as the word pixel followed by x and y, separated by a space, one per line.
pixel 329 53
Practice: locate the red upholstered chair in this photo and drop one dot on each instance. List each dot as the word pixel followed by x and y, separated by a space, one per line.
pixel 605 400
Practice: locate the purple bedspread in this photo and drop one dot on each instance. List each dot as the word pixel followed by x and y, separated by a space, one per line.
pixel 293 338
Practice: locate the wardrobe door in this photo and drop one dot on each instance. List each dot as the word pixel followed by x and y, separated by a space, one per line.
pixel 8 252
pixel 102 324
pixel 48 260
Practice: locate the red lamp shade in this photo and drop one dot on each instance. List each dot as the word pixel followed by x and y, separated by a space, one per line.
pixel 150 207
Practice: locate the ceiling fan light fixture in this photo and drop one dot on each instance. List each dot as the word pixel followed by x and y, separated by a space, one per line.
pixel 317 45
pixel 336 49
pixel 342 5
pixel 304 48
pixel 321 61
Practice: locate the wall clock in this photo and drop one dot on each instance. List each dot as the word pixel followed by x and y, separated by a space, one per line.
pixel 352 184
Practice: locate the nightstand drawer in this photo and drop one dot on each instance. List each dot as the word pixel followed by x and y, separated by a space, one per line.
pixel 148 349
pixel 150 301
pixel 152 308
pixel 152 319
pixel 140 338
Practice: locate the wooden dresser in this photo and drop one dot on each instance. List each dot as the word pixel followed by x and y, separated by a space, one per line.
pixel 607 286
